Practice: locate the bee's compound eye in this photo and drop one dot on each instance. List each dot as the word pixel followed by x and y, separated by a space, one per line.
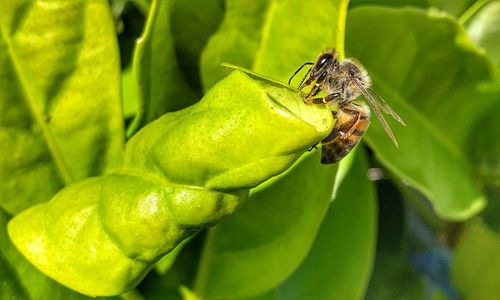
pixel 322 60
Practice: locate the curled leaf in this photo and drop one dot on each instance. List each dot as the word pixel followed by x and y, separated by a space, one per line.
pixel 181 173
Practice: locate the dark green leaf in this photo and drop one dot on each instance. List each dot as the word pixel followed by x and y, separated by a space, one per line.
pixel 286 213
pixel 166 262
pixel 236 41
pixel 193 22
pixel 393 277
pixel 10 288
pixel 476 263
pixel 429 60
pixel 444 165
pixel 340 262
pixel 454 7
pixel 130 94
pixel 161 86
pixel 264 242
pixel 259 35
pixel 60 111
pixel 159 285
pixel 439 84
pixel 395 3
pixel 484 29
pixel 484 151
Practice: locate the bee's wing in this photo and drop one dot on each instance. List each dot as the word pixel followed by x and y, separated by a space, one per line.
pixel 377 111
pixel 386 108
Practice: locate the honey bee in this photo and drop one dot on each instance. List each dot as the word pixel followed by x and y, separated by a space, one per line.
pixel 343 81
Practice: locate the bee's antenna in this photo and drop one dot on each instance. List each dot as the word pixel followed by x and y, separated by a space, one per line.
pixel 305 64
pixel 304 78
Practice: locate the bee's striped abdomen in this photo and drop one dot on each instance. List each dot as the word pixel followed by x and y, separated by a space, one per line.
pixel 352 123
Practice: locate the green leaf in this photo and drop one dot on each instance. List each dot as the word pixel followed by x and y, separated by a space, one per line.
pixel 393 277
pixel 158 285
pixel 161 86
pixel 193 22
pixel 32 281
pixel 484 29
pixel 453 7
pixel 252 242
pixel 390 3
pixel 117 226
pixel 60 106
pixel 437 84
pixel 187 294
pixel 430 61
pixel 485 153
pixel 259 35
pixel 10 288
pixel 476 264
pixel 444 165
pixel 166 262
pixel 339 263
pixel 130 93
pixel 142 5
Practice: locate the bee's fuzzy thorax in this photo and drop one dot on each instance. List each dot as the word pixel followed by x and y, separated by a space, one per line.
pixel 356 70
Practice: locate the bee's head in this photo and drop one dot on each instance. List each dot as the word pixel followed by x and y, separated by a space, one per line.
pixel 325 64
pixel 325 60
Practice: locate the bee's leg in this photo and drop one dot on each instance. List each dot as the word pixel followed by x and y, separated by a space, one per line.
pixel 315 89
pixel 324 100
pixel 313 92
pixel 313 147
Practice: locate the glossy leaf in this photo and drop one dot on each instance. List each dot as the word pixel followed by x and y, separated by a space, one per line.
pixel 161 86
pixel 421 142
pixel 476 264
pixel 193 23
pixel 485 153
pixel 389 3
pixel 429 60
pixel 60 111
pixel 393 277
pixel 339 263
pixel 130 94
pixel 483 28
pixel 260 36
pixel 117 226
pixel 453 7
pixel 10 288
pixel 236 41
pixel 166 262
pixel 428 157
pixel 32 282
pixel 254 240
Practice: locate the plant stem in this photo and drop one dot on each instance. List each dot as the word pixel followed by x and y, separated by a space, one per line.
pixel 471 11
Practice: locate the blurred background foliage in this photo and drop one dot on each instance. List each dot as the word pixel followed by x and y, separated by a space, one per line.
pixel 418 222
